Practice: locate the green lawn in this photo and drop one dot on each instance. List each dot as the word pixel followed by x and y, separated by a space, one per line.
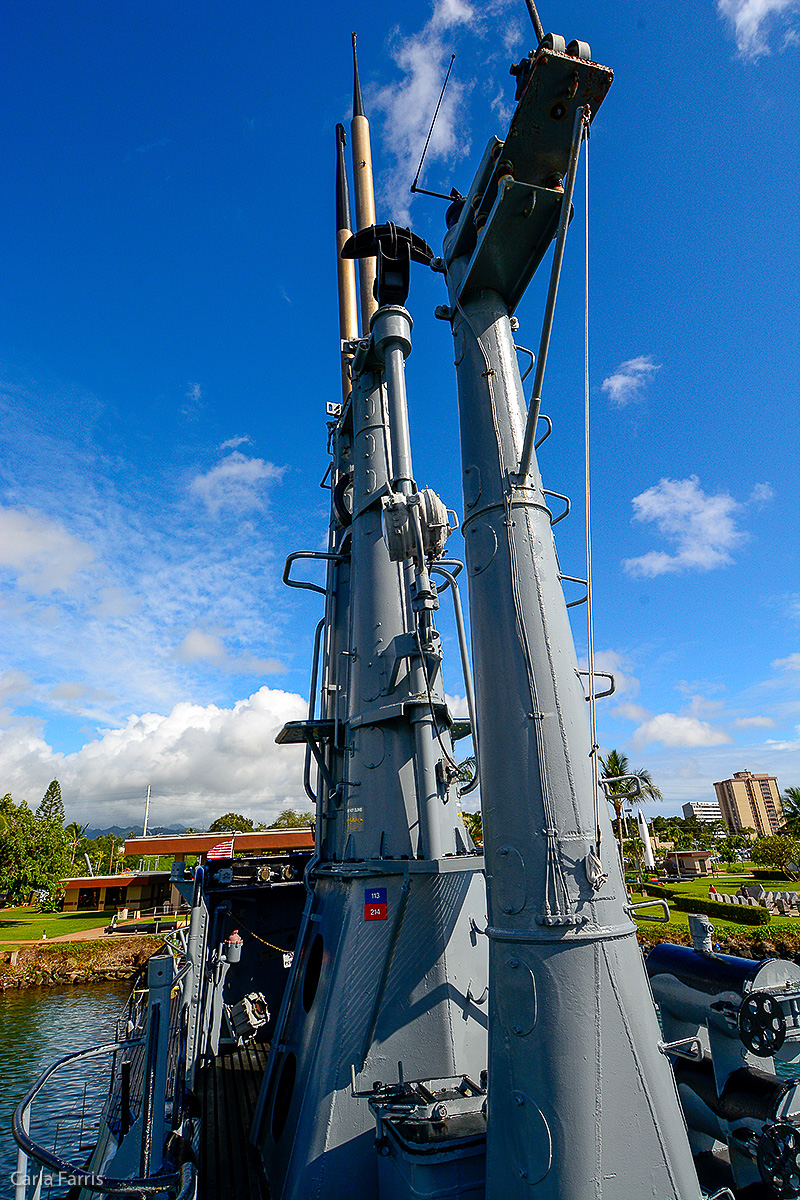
pixel 731 885
pixel 26 924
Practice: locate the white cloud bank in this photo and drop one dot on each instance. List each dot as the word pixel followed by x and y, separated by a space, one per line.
pixel 670 729
pixel 702 527
pixel 200 762
pixel 629 379
pixel 752 18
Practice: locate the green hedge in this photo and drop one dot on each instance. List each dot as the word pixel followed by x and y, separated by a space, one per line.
pixel 738 914
pixel 764 875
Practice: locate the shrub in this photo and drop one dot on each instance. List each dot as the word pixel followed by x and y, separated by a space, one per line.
pixel 740 914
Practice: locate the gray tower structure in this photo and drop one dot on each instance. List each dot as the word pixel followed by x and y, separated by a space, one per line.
pixel 581 1102
pixel 389 977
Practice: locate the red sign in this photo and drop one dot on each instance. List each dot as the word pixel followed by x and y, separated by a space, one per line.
pixel 374 904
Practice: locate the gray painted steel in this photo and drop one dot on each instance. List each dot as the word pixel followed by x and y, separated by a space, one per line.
pixel 368 994
pixel 581 1102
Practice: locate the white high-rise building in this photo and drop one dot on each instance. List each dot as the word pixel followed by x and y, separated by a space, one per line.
pixel 704 811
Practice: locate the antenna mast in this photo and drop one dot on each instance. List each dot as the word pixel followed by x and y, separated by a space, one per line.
pixel 364 194
pixel 345 267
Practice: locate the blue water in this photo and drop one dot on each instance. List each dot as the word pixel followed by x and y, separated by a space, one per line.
pixel 38 1026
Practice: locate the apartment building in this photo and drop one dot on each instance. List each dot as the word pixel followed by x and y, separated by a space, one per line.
pixel 749 800
pixel 704 811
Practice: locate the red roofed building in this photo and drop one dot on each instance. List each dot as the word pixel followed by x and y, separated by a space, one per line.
pixel 137 891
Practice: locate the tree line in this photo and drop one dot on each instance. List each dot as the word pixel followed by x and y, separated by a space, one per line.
pixel 37 850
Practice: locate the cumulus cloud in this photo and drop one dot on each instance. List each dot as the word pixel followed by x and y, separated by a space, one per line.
pixel 752 18
pixel 755 722
pixel 457 707
pixel 792 663
pixel 200 761
pixel 701 526
pixel 671 729
pixel 42 554
pixel 629 379
pixel 408 105
pixel 236 482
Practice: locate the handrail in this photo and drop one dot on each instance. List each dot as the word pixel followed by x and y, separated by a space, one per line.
pixel 300 583
pixel 150 1186
pixel 450 577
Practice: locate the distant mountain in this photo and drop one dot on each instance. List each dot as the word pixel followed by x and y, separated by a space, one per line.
pixel 124 831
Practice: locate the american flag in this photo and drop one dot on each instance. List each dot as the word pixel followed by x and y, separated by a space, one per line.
pixel 221 850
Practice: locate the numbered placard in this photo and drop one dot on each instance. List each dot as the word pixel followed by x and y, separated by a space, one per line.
pixel 374 904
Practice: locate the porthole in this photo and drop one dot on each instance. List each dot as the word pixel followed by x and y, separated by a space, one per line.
pixel 313 971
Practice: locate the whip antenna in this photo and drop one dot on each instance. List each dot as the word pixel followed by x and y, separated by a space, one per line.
pixel 534 16
pixel 454 195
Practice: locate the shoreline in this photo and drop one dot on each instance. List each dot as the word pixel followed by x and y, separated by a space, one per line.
pixel 54 964
pixel 68 963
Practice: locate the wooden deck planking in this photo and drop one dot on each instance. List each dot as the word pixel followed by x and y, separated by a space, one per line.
pixel 229 1091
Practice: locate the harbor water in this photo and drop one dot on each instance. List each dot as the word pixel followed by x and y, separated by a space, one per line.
pixel 37 1027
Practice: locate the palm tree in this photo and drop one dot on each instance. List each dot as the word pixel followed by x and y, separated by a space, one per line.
pixel 790 802
pixel 75 832
pixel 617 790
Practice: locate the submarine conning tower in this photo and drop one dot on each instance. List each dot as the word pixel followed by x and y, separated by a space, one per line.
pixel 388 984
pixel 581 1103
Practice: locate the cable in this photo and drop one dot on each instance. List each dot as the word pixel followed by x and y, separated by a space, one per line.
pixel 587 483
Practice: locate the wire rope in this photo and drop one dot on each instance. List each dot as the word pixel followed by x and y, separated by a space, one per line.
pixel 588 497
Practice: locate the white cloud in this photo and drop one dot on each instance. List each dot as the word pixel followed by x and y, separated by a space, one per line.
pixel 701 526
pixel 13 683
pixel 629 379
pixel 457 707
pixel 44 556
pixel 631 712
pixel 408 106
pixel 194 396
pixel 792 663
pixel 761 494
pixel 201 647
pixel 234 442
pixel 612 662
pixel 673 730
pixel 750 19
pixel 199 760
pixel 755 722
pixel 237 482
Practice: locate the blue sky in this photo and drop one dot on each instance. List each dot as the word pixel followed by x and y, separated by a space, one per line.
pixel 169 342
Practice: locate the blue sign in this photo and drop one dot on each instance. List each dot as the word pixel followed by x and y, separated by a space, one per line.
pixel 374 895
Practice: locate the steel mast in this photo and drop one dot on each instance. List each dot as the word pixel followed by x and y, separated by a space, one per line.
pixel 388 966
pixel 582 1104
